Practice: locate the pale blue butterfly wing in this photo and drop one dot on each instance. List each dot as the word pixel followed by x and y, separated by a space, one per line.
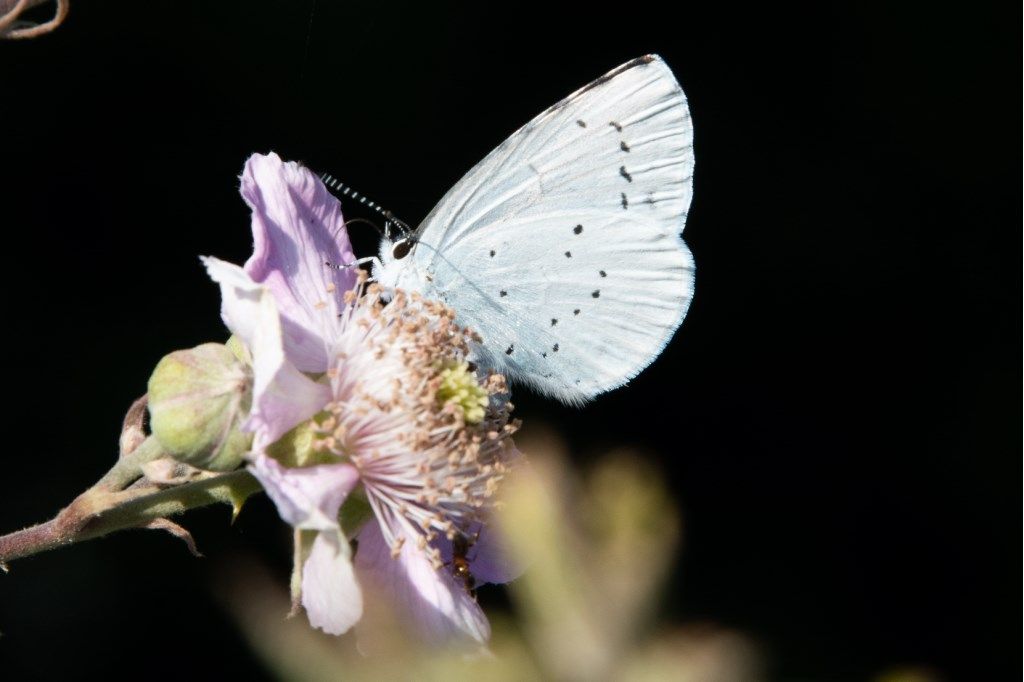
pixel 563 247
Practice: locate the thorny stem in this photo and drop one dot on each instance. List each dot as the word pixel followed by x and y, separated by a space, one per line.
pixel 10 10
pixel 112 505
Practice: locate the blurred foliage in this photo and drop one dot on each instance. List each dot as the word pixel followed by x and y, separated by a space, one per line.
pixel 596 550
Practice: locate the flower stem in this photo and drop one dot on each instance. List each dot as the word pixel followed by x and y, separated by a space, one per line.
pixel 111 505
pixel 32 540
pixel 129 468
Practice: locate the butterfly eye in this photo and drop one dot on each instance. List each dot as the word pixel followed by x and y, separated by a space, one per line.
pixel 401 249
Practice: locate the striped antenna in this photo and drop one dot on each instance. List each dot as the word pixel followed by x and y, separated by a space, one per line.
pixel 344 190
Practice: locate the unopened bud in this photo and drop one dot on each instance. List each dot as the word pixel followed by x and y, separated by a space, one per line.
pixel 198 399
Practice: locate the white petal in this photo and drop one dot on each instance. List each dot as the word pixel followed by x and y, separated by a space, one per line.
pixel 240 297
pixel 330 592
pixel 282 395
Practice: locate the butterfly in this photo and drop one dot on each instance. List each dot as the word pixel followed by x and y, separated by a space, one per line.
pixel 563 247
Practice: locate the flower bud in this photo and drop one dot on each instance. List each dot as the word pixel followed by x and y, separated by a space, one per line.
pixel 198 399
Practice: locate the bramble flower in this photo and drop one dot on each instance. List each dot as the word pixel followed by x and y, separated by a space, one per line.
pixel 366 405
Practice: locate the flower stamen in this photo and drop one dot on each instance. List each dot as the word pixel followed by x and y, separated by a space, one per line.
pixel 429 436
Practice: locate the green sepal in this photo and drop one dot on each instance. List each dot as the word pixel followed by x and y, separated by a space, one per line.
pixel 354 513
pixel 239 350
pixel 297 448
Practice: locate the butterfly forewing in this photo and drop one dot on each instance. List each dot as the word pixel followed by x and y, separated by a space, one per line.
pixel 563 247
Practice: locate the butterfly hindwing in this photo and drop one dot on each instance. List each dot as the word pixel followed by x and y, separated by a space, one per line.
pixel 563 247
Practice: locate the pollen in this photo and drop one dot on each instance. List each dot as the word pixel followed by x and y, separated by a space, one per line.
pixel 460 387
pixel 431 437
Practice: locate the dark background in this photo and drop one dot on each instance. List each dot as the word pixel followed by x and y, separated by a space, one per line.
pixel 838 415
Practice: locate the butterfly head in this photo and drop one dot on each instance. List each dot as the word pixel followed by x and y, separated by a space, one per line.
pixel 394 254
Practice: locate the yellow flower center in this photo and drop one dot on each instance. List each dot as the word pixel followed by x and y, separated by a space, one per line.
pixel 460 387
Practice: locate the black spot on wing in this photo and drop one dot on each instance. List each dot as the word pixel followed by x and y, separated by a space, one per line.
pixel 492 253
pixel 576 312
pixel 596 293
pixel 625 201
pixel 578 229
pixel 554 321
pixel 625 174
pixel 581 124
pixel 623 146
pixel 508 351
pixel 555 347
pixel 503 293
pixel 568 254
pixel 602 273
pixel 615 125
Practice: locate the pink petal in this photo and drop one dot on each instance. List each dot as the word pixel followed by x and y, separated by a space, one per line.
pixel 306 497
pixel 297 226
pixel 330 592
pixel 431 600
pixel 491 560
pixel 282 395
